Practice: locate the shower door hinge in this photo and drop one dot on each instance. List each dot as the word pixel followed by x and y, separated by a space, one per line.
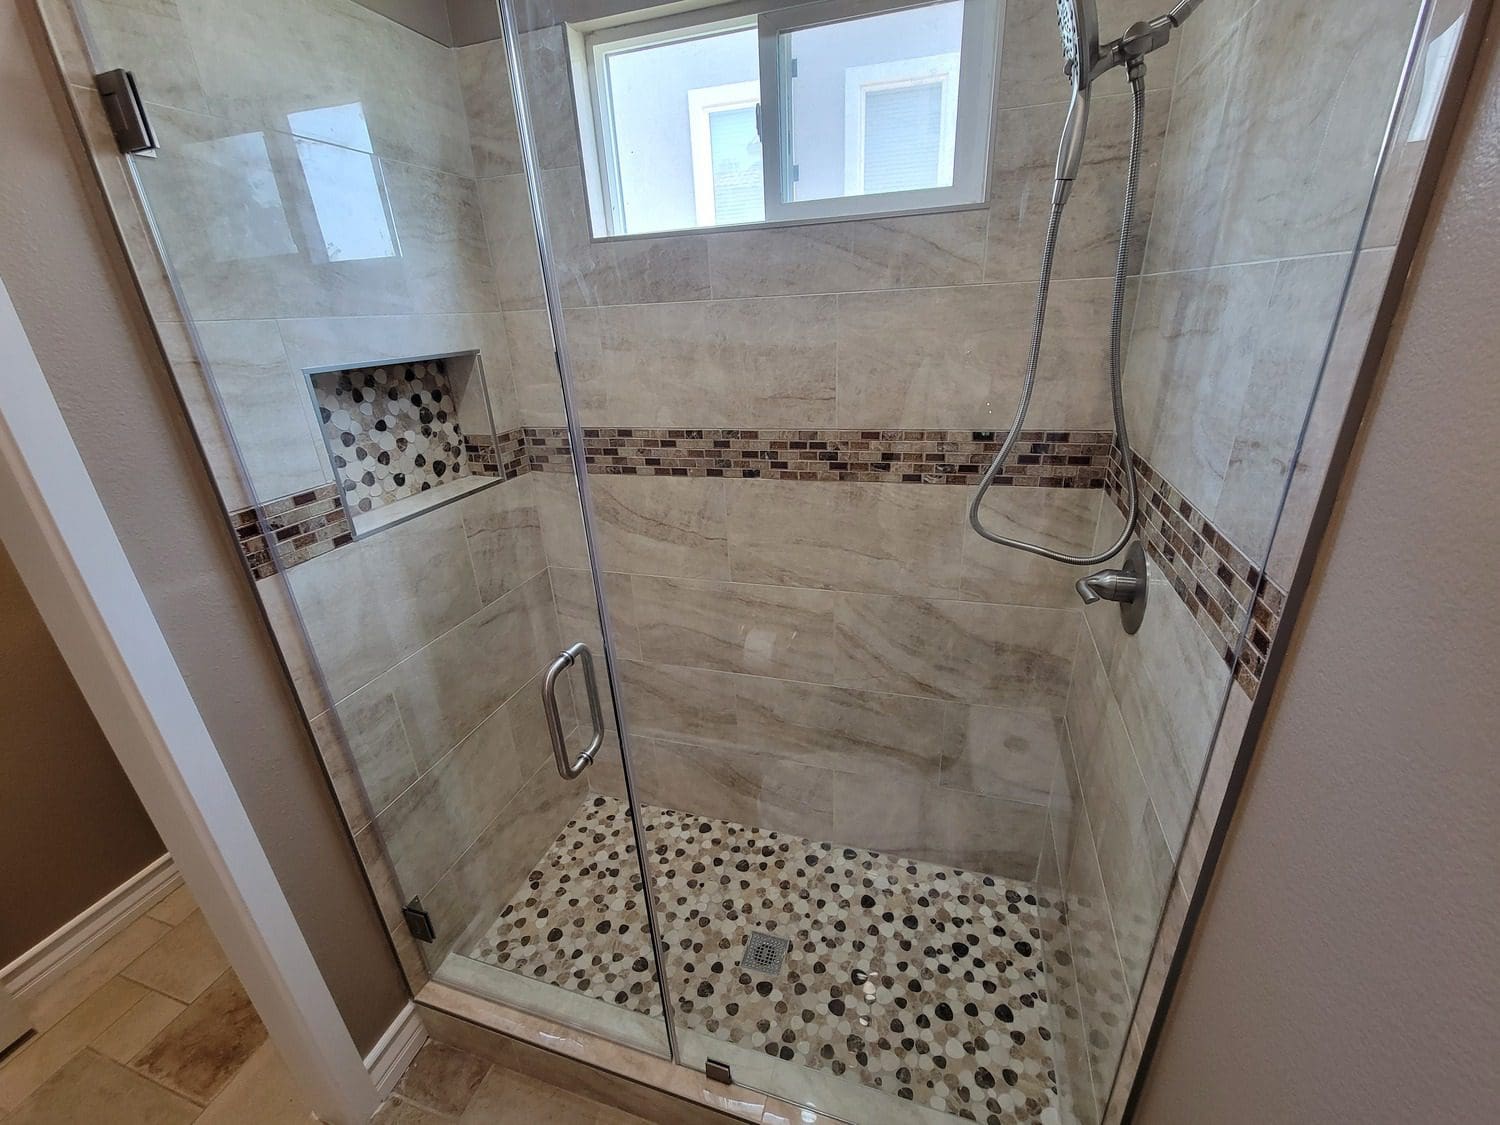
pixel 718 1071
pixel 126 112
pixel 418 921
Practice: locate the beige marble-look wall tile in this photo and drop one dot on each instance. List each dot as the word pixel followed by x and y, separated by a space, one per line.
pixel 449 687
pixel 863 732
pixel 512 233
pixel 870 537
pixel 549 95
pixel 955 357
pixel 758 362
pixel 902 252
pixel 1278 397
pixel 967 830
pixel 534 367
pixel 268 406
pixel 491 112
pixel 242 233
pixel 263 61
pixel 1275 131
pixel 439 817
pixel 748 788
pixel 1061 518
pixel 556 496
pixel 1024 164
pixel 504 533
pixel 1193 348
pixel 444 246
pixel 1134 861
pixel 974 652
pixel 578 612
pixel 1326 415
pixel 472 890
pixel 369 721
pixel 782 631
pixel 673 526
pixel 1002 752
pixel 660 268
pixel 693 705
pixel 371 603
pixel 1170 683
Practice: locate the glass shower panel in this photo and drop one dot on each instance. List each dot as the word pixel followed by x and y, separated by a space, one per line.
pixel 912 811
pixel 323 197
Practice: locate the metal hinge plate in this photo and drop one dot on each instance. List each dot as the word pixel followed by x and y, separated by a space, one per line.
pixel 418 921
pixel 718 1071
pixel 126 112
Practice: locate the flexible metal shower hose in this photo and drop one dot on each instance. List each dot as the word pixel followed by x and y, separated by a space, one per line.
pixel 1116 324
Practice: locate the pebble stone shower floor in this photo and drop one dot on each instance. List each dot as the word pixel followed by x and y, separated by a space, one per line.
pixel 922 981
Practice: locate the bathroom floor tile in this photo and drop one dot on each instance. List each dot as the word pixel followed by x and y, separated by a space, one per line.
pixel 922 981
pixel 200 1051
pixel 93 1088
pixel 183 963
pixel 442 1078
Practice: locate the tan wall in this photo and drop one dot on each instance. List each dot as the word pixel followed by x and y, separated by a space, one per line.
pixel 1344 968
pixel 63 268
pixel 71 827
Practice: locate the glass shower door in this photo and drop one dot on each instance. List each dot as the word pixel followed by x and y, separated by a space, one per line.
pixel 913 812
pixel 320 192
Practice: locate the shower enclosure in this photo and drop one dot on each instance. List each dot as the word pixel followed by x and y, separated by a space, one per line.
pixel 587 375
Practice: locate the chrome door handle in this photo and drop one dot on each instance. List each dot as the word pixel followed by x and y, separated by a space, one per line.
pixel 576 654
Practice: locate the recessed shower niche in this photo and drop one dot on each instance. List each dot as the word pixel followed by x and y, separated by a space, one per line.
pixel 406 435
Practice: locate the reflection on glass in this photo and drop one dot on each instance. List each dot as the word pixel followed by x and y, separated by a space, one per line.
pixel 247 218
pixel 874 102
pixel 344 181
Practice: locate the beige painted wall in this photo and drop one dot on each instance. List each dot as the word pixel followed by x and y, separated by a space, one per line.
pixel 64 270
pixel 1344 968
pixel 71 828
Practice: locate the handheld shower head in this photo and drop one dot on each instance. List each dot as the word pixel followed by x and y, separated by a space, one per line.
pixel 1078 26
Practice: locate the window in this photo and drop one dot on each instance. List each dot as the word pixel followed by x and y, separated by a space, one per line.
pixel 833 109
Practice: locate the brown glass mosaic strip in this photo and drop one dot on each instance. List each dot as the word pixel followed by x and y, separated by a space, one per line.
pixel 1215 579
pixel 1044 458
pixel 301 526
pixel 503 457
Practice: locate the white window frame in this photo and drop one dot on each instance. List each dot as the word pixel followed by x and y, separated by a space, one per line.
pixel 590 44
pixel 703 103
pixel 861 81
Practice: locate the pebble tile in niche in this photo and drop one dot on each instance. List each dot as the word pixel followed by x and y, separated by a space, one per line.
pixel 925 982
pixel 392 430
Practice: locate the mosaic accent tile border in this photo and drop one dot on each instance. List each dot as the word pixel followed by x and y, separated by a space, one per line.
pixel 303 526
pixel 1043 458
pixel 504 457
pixel 392 430
pixel 926 982
pixel 1215 579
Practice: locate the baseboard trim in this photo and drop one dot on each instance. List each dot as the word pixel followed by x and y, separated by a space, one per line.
pixel 67 946
pixel 389 1058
